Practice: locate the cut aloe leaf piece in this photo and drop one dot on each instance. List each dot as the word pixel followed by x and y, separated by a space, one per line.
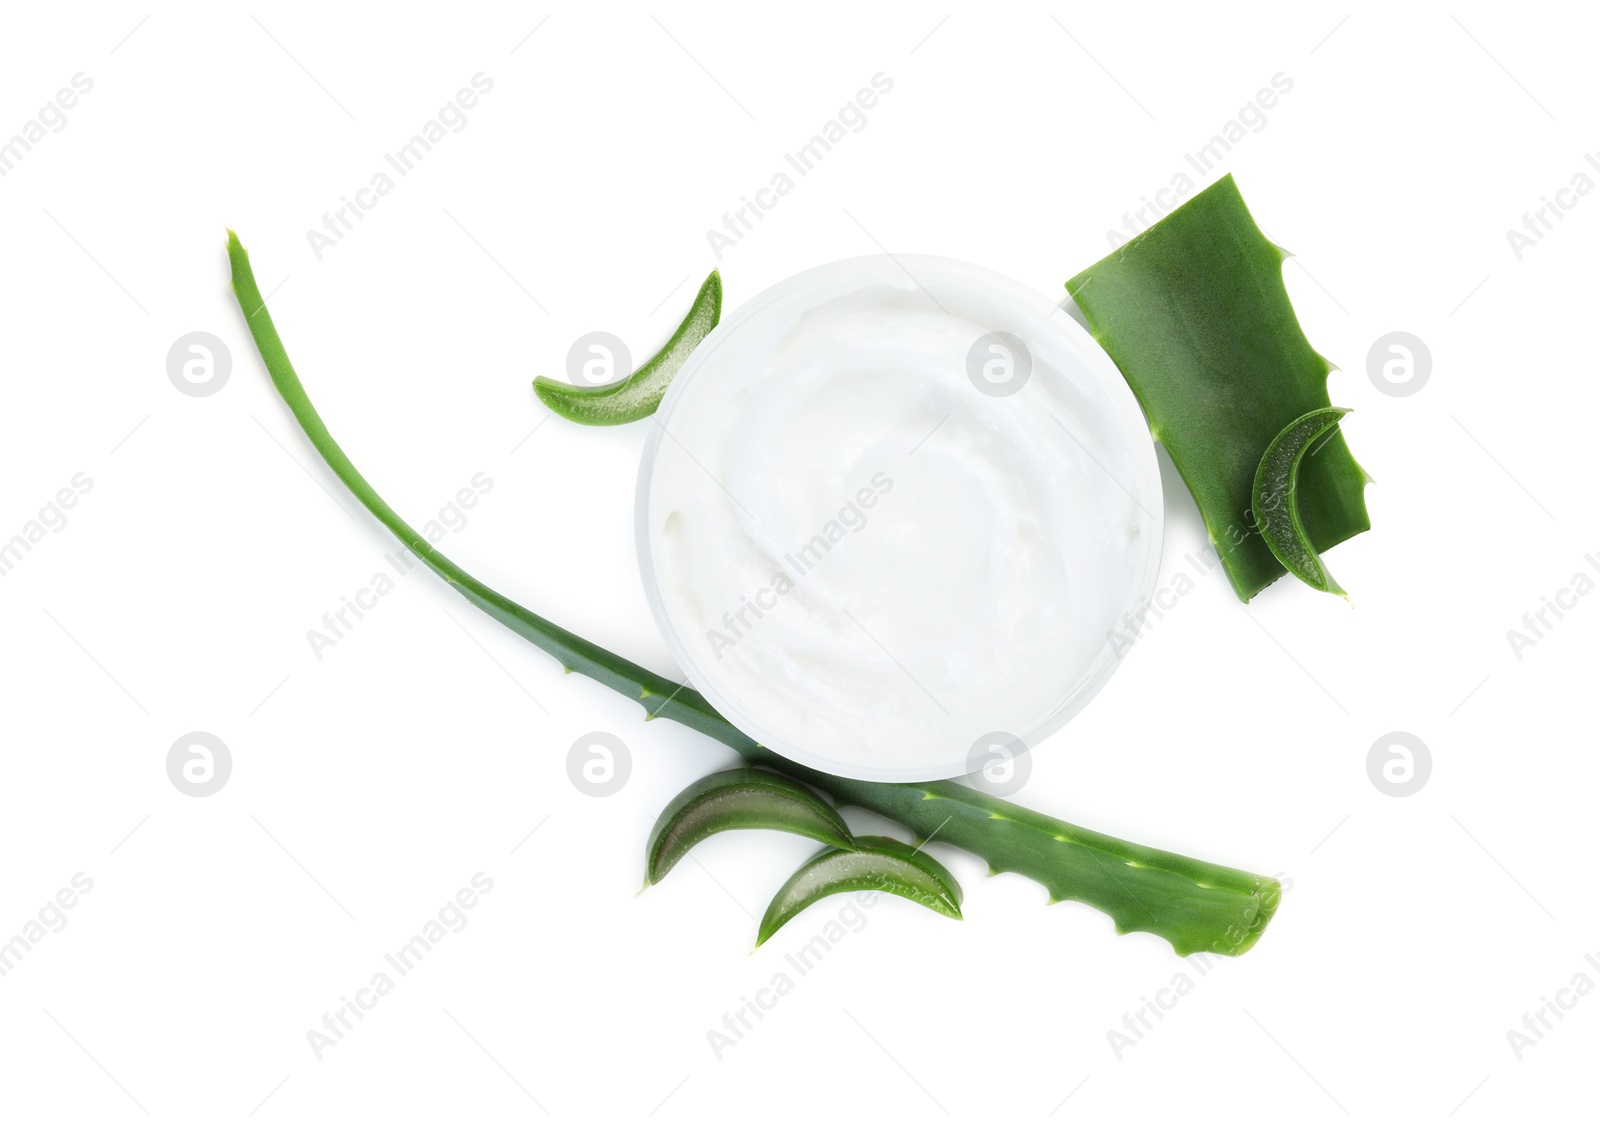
pixel 874 863
pixel 637 395
pixel 1194 312
pixel 1275 498
pixel 739 799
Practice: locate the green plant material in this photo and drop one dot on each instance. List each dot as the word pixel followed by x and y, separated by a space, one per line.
pixel 874 863
pixel 1275 499
pixel 739 799
pixel 574 652
pixel 1193 905
pixel 1194 312
pixel 637 395
pixel 1063 858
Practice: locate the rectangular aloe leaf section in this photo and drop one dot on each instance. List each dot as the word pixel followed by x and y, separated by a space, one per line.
pixel 1194 312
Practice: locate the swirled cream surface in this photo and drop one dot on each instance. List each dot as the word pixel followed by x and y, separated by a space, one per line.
pixel 893 514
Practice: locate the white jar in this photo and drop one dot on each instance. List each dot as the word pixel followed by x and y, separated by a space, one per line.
pixel 893 508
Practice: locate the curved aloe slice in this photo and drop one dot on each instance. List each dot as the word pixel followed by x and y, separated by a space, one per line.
pixel 1211 907
pixel 1194 312
pixel 875 863
pixel 637 395
pixel 1275 499
pixel 739 799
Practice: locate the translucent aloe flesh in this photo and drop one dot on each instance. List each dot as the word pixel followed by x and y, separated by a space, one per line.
pixel 637 395
pixel 1276 497
pixel 1193 905
pixel 738 799
pixel 872 863
pixel 1194 312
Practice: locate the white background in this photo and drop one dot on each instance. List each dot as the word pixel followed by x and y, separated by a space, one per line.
pixel 372 783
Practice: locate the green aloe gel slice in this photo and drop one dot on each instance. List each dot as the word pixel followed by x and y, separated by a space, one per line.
pixel 1194 312
pixel 872 863
pixel 738 799
pixel 1276 500
pixel 637 395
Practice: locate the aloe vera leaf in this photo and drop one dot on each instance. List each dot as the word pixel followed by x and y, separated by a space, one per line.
pixel 574 652
pixel 1275 498
pixel 1194 312
pixel 1193 905
pixel 1050 852
pixel 637 395
pixel 739 799
pixel 873 863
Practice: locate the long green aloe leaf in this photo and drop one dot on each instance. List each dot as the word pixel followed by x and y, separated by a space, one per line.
pixel 1192 905
pixel 576 653
pixel 1194 312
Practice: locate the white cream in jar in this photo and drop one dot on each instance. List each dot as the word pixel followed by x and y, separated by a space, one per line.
pixel 893 508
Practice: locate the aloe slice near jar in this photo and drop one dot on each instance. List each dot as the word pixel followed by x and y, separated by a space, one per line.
pixel 636 396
